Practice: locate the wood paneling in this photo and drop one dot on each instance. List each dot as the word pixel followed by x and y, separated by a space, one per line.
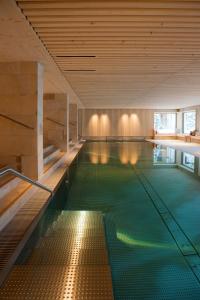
pixel 117 122
pixel 139 54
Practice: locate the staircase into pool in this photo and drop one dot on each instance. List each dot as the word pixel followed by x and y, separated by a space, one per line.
pixel 69 262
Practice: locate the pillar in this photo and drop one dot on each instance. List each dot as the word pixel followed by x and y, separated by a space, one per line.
pixel 56 120
pixel 80 123
pixel 179 125
pixel 73 122
pixel 21 116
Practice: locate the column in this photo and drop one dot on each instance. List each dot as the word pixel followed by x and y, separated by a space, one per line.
pixel 56 120
pixel 21 116
pixel 73 122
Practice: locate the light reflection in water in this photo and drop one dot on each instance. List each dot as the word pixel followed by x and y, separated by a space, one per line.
pixel 129 153
pixel 125 238
pixel 99 153
pixel 104 153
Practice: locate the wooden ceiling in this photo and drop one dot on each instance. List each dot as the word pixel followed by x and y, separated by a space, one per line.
pixel 123 53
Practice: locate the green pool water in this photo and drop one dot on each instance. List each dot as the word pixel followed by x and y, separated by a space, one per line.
pixel 151 204
pixel 150 198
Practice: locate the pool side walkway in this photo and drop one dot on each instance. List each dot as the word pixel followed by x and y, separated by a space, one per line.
pixel 14 236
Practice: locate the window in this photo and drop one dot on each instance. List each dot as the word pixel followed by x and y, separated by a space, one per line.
pixel 188 161
pixel 189 121
pixel 165 122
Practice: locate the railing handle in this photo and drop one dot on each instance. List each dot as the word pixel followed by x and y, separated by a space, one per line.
pixel 4 171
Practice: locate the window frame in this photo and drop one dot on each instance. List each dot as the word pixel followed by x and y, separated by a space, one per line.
pixel 183 164
pixel 183 120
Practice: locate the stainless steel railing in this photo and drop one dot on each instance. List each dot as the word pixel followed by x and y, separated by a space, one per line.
pixel 7 170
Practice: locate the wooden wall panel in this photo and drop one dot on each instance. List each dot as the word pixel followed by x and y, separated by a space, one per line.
pixel 116 122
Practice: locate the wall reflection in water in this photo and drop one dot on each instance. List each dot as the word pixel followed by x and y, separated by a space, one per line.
pixel 167 155
pixel 163 155
pixel 129 153
pixel 188 160
pixel 99 152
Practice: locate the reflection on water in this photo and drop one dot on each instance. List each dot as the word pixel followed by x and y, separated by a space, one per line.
pixel 139 242
pixel 129 152
pixel 188 161
pixel 99 152
pixel 128 240
pixel 132 152
pixel 164 155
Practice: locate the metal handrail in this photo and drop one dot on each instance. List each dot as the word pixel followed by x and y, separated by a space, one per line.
pixel 6 170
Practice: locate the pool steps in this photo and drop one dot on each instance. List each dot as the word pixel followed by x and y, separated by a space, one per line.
pixel 69 262
pixel 51 154
pixel 18 220
pixel 14 192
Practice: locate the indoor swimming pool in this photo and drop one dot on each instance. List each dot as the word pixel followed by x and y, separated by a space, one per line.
pixel 149 196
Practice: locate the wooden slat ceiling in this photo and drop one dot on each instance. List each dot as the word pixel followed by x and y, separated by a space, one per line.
pixel 123 53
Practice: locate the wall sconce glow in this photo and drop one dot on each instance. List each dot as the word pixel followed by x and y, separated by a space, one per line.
pixel 134 124
pixel 134 116
pixel 94 125
pixel 99 125
pixel 123 126
pixel 104 125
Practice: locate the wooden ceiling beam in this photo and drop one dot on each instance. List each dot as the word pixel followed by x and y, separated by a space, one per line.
pixel 140 49
pixel 130 41
pixel 30 5
pixel 129 25
pixel 63 20
pixel 61 13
